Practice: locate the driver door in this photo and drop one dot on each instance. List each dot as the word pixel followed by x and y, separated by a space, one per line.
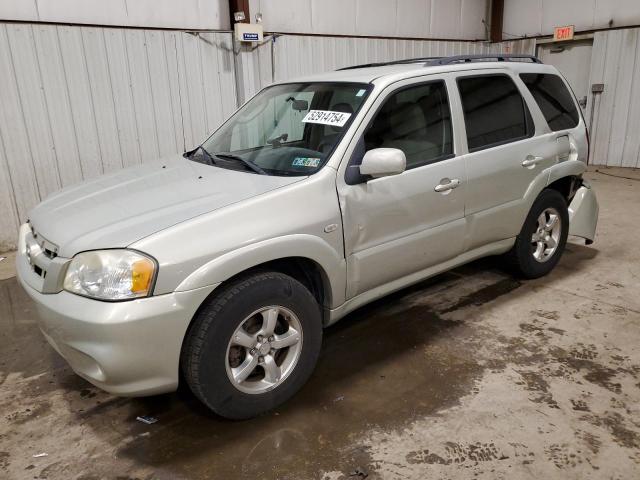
pixel 400 225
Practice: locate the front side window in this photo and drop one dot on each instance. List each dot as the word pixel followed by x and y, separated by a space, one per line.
pixel 494 111
pixel 288 129
pixel 553 98
pixel 415 120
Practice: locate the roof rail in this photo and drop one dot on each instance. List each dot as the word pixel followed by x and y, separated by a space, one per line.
pixel 500 57
pixel 393 62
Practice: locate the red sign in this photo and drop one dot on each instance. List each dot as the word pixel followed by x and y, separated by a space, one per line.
pixel 563 33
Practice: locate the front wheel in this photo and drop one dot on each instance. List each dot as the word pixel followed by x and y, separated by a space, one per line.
pixel 253 345
pixel 540 243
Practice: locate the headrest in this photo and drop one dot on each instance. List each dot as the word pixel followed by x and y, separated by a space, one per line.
pixel 340 107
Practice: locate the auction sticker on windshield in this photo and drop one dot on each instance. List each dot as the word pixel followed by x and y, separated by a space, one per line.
pixel 326 117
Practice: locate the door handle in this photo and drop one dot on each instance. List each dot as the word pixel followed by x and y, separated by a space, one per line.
pixel 446 185
pixel 531 161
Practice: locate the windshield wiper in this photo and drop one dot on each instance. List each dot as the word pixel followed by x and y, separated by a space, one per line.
pixel 248 163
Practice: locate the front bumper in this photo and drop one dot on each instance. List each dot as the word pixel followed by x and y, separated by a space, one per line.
pixel 127 348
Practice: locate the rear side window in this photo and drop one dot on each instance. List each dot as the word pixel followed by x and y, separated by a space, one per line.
pixel 494 111
pixel 553 98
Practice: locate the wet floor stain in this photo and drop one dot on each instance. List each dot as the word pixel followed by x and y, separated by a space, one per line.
pixel 409 358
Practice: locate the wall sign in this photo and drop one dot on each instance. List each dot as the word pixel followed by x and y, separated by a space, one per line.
pixel 248 32
pixel 563 33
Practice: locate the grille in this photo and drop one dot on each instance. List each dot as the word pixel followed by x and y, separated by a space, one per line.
pixel 40 253
pixel 48 249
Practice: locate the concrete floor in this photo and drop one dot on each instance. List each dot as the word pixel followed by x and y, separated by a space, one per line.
pixel 469 375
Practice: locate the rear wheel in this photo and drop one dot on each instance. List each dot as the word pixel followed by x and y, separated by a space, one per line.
pixel 253 345
pixel 540 243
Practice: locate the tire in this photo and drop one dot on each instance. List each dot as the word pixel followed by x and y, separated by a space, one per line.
pixel 527 258
pixel 225 342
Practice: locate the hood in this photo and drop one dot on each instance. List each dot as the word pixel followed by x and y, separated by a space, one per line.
pixel 118 209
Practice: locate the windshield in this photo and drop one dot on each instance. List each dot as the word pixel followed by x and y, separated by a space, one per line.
pixel 288 129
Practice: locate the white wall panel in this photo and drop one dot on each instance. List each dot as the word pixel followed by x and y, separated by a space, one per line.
pixel 81 105
pixel 8 207
pixel 522 17
pixel 568 12
pixel 296 56
pixel 333 17
pixel 375 17
pixel 14 137
pixel 59 107
pixel 539 17
pixel 471 15
pixel 618 12
pixel 18 10
pixel 455 19
pixel 413 16
pixel 196 14
pixel 445 19
pixel 616 121
pixel 101 98
pixel 34 107
pixel 285 15
pixel 123 105
pixel 81 101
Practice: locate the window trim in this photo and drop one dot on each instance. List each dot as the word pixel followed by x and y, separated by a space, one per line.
pixel 354 155
pixel 529 122
pixel 570 92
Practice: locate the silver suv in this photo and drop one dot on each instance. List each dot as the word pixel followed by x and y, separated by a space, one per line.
pixel 317 196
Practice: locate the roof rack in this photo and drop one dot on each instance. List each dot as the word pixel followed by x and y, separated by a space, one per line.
pixel 434 61
pixel 500 57
pixel 393 62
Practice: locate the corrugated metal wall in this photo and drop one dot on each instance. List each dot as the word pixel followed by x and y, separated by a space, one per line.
pixel 303 55
pixel 78 101
pixel 615 133
pixel 452 19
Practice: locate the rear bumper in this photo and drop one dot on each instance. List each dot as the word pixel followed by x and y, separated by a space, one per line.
pixel 583 213
pixel 126 348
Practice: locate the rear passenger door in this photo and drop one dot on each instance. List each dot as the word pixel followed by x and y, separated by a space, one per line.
pixel 505 156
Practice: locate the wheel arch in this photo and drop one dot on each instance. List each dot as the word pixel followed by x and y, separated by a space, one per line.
pixel 565 178
pixel 308 258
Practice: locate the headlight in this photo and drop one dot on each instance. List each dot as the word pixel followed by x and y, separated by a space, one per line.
pixel 110 274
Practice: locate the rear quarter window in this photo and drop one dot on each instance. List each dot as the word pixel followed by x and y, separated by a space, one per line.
pixel 553 98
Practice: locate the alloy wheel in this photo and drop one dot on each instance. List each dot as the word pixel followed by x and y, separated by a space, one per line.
pixel 546 238
pixel 264 349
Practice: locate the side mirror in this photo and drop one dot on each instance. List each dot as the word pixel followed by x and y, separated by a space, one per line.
pixel 381 162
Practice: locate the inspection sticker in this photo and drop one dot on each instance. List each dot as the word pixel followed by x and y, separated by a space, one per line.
pixel 326 117
pixel 305 162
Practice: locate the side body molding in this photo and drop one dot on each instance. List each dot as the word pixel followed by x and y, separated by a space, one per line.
pixel 295 245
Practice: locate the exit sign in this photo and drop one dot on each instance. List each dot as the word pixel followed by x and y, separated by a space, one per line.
pixel 563 33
